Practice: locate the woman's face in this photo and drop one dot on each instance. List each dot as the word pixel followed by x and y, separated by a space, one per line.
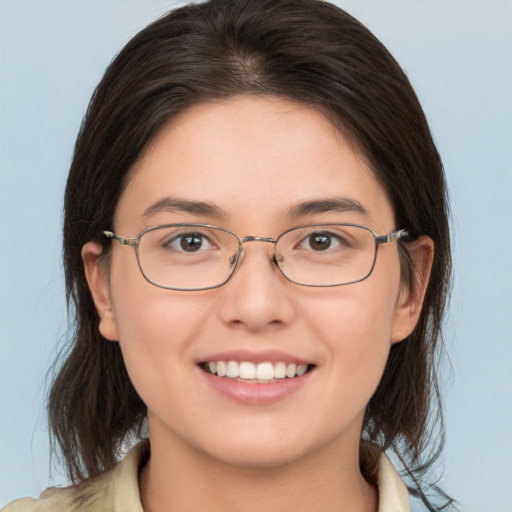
pixel 256 162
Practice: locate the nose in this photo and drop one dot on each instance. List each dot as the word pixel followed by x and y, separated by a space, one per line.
pixel 257 296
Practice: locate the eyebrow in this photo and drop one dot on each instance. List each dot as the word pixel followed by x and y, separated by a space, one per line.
pixel 317 206
pixel 331 204
pixel 176 205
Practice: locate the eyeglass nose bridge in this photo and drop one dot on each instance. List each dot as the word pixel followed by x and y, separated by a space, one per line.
pixel 242 240
pixel 257 239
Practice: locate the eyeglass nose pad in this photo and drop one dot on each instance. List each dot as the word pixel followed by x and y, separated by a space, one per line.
pixel 234 260
pixel 237 258
pixel 279 262
pixel 278 259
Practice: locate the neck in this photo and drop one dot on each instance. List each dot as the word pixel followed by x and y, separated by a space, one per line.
pixel 179 478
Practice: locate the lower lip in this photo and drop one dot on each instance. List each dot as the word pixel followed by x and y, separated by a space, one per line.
pixel 249 393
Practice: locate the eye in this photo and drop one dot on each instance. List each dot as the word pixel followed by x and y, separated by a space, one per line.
pixel 190 242
pixel 321 241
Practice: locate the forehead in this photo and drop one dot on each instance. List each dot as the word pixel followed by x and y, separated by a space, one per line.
pixel 250 156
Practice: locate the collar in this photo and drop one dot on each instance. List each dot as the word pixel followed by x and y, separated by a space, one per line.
pixel 393 494
pixel 118 490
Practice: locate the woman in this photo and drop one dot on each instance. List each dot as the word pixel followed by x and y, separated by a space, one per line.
pixel 272 328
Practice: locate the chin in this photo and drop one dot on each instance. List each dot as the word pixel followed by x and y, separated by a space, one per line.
pixel 258 457
pixel 264 448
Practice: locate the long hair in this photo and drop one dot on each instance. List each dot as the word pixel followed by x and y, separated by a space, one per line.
pixel 311 52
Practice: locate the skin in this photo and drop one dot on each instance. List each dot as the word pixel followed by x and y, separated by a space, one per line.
pixel 255 158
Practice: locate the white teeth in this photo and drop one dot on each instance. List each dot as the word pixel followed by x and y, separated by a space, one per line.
pixel 262 372
pixel 265 371
pixel 221 368
pixel 291 371
pixel 279 370
pixel 301 369
pixel 232 370
pixel 247 370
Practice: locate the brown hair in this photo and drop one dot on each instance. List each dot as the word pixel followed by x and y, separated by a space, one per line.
pixel 306 50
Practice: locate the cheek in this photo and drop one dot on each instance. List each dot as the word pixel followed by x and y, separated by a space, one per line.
pixel 362 313
pixel 155 341
pixel 354 326
pixel 148 316
pixel 155 327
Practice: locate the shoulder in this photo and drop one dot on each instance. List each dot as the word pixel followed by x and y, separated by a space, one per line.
pixel 75 498
pixel 54 499
pixel 115 490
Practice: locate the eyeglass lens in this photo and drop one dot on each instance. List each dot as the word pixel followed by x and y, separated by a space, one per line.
pixel 192 257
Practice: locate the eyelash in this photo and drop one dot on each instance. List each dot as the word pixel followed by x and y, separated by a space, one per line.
pixel 341 241
pixel 181 237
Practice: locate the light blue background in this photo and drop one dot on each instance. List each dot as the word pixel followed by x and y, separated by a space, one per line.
pixel 458 55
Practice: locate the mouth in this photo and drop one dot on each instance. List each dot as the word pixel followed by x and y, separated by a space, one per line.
pixel 257 373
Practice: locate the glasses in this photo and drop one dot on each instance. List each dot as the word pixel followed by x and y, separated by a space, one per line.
pixel 200 256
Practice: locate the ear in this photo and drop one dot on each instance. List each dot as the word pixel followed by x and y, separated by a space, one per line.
pixel 97 279
pixel 410 300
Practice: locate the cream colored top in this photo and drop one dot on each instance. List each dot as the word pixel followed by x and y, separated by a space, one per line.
pixel 118 490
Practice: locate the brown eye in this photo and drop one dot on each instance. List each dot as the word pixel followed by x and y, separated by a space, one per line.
pixel 189 242
pixel 320 241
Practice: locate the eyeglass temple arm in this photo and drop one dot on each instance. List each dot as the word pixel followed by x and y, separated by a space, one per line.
pixel 121 239
pixel 382 239
pixel 391 237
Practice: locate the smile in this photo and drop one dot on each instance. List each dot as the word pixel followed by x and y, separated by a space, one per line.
pixel 263 373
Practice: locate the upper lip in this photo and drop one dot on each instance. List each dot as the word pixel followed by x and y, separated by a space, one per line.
pixel 264 356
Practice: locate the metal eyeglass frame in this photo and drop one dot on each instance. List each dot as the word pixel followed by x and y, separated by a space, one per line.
pixel 134 242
